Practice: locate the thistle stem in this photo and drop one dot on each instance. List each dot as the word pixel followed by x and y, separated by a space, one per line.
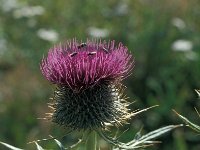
pixel 91 143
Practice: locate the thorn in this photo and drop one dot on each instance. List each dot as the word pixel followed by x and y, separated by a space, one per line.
pixel 130 103
pixel 116 138
pixel 42 118
pixel 175 112
pixel 143 110
pixel 197 111
pixel 51 107
pixel 198 92
pixel 138 134
pixel 48 113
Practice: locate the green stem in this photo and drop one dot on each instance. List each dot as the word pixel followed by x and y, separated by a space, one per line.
pixel 91 143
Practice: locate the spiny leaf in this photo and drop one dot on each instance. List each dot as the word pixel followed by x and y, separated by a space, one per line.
pixel 10 146
pixel 140 142
pixel 189 123
pixel 138 134
pixel 146 140
pixel 59 144
pixel 158 132
pixel 197 111
pixel 143 110
pixel 38 146
pixel 198 92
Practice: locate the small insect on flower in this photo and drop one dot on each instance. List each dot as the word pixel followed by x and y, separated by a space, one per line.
pixel 82 45
pixel 73 54
pixel 91 53
pixel 105 49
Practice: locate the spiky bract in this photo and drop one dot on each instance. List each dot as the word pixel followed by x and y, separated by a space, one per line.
pixel 90 109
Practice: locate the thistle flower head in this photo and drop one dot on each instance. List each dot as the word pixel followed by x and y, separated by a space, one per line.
pixel 79 66
pixel 87 75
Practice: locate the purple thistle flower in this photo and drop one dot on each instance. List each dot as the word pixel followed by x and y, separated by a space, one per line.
pixel 82 67
pixel 88 77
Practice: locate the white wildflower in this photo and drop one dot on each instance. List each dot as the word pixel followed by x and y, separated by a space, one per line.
pixel 179 23
pixel 97 32
pixel 182 45
pixel 191 55
pixel 48 35
pixel 8 5
pixel 122 9
pixel 28 11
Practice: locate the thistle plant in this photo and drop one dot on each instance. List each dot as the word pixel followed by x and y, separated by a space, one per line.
pixel 89 95
pixel 88 77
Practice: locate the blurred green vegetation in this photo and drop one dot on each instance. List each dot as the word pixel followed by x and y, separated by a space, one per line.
pixel 162 35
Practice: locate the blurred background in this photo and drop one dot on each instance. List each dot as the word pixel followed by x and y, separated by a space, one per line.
pixel 163 36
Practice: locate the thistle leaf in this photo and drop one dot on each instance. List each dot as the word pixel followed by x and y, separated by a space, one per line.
pixel 147 139
pixel 188 122
pixel 38 146
pixel 139 142
pixel 59 144
pixel 198 92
